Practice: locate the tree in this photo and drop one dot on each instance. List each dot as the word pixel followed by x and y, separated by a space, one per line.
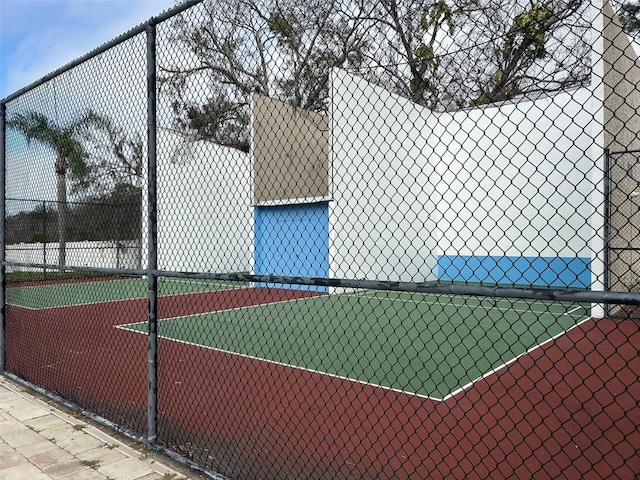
pixel 448 54
pixel 630 16
pixel 409 34
pixel 70 143
pixel 542 47
pixel 114 161
pixel 283 49
pixel 443 54
pixel 524 43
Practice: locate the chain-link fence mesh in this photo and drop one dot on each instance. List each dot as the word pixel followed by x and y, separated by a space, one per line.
pixel 74 161
pixel 622 234
pixel 340 239
pixel 98 234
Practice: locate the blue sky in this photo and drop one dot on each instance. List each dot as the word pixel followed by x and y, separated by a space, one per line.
pixel 39 36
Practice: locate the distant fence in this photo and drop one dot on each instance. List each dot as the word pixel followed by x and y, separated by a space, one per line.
pixel 123 254
pixel 101 235
pixel 338 240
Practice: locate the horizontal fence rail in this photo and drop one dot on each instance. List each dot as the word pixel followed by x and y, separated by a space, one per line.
pixel 628 298
pixel 338 239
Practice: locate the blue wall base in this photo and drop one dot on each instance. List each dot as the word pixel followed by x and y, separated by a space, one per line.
pixel 537 271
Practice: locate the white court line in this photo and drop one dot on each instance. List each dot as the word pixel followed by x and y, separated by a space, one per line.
pixel 465 304
pixel 296 367
pixel 491 371
pixel 201 281
pixel 505 365
pixel 124 325
pixel 105 302
pixel 569 312
pixel 75 304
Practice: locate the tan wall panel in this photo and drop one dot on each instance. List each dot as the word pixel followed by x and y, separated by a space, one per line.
pixel 290 152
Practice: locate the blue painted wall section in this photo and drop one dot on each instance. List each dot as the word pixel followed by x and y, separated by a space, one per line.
pixel 539 271
pixel 292 240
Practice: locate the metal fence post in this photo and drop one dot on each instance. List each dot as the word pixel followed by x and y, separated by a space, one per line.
pixel 152 265
pixel 3 280
pixel 117 235
pixel 607 227
pixel 44 237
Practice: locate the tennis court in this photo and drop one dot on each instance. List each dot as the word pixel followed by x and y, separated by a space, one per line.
pixel 429 345
pixel 360 364
pixel 415 343
pixel 66 294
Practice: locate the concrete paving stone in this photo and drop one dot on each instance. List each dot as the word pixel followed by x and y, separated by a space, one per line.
pixel 45 422
pixel 103 454
pixel 17 403
pixel 53 449
pixel 5 448
pixel 5 394
pixel 30 449
pixel 11 426
pixel 125 469
pixel 42 476
pixel 80 443
pixel 20 437
pixel 27 410
pixel 10 459
pixel 49 459
pixel 11 403
pixel 88 474
pixel 157 476
pixel 58 433
pixel 22 472
pixel 65 469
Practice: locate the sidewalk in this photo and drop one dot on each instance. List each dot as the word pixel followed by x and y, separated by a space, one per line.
pixel 40 442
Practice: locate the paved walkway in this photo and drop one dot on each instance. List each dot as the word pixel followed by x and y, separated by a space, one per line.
pixel 40 442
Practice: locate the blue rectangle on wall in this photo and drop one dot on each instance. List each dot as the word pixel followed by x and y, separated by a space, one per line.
pixel 539 271
pixel 292 240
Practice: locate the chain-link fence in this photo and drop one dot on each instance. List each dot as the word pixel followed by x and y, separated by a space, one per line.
pixel 97 234
pixel 339 239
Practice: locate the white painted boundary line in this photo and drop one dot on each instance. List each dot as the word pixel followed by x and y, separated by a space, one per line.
pixel 514 359
pixel 246 307
pixel 569 312
pixel 297 367
pixel 106 302
pixel 471 306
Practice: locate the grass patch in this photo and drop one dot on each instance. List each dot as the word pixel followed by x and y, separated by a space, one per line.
pixel 90 463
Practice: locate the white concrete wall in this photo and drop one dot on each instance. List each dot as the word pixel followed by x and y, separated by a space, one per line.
pixel 78 254
pixel 515 179
pixel 381 223
pixel 205 215
pixel 411 186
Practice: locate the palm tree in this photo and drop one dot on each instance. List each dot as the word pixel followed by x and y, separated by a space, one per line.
pixel 71 155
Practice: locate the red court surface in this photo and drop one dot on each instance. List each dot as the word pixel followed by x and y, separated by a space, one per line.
pixel 569 409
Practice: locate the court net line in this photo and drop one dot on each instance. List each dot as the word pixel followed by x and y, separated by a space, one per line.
pixel 478 305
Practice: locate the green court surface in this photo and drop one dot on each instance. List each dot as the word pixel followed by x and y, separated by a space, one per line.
pixel 424 344
pixel 88 292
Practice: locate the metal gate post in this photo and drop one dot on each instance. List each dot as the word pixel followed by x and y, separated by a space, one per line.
pixel 152 264
pixel 607 226
pixel 3 280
